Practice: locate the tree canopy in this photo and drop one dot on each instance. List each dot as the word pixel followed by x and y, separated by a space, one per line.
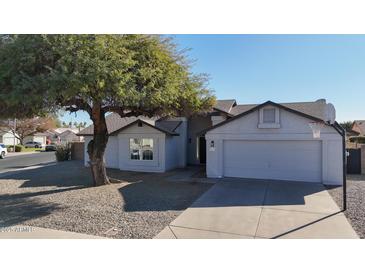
pixel 347 125
pixel 131 75
pixel 138 74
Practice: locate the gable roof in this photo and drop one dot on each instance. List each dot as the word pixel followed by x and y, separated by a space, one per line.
pixel 225 105
pixel 360 125
pixel 256 107
pixel 4 131
pixel 66 133
pixel 159 128
pixel 315 109
pixel 63 129
pixel 115 124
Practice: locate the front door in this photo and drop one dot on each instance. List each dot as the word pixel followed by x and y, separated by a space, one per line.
pixel 202 150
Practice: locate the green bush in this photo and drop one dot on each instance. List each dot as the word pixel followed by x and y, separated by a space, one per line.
pixel 19 148
pixel 357 139
pixel 63 153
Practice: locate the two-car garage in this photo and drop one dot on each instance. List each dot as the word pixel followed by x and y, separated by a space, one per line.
pixel 279 160
pixel 285 148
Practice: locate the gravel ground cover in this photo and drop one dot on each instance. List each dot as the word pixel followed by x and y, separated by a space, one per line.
pixel 355 212
pixel 60 197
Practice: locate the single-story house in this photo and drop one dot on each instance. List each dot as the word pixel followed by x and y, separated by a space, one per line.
pixel 7 138
pixel 359 127
pixel 64 135
pixel 40 137
pixel 289 141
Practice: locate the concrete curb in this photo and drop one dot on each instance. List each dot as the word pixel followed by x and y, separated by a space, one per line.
pixel 32 232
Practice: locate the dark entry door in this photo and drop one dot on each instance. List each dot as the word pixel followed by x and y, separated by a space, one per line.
pixel 354 161
pixel 202 150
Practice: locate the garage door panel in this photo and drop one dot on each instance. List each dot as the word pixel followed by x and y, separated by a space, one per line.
pixel 281 160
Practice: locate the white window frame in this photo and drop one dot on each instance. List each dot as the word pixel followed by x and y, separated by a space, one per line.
pixel 275 124
pixel 141 150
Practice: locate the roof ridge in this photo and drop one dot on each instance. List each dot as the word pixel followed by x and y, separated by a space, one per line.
pixel 301 102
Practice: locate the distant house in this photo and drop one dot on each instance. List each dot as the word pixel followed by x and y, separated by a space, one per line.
pixel 359 127
pixel 40 137
pixel 7 138
pixel 64 135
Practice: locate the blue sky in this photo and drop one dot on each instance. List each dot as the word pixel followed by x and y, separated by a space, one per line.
pixel 281 68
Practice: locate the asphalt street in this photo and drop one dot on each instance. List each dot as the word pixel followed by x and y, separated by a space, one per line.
pixel 27 160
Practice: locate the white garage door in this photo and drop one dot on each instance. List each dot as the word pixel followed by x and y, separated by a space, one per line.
pixel 279 160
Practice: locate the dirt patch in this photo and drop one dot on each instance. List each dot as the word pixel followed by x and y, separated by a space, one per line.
pixel 61 197
pixel 355 212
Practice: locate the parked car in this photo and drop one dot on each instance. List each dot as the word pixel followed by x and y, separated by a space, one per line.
pixel 51 147
pixel 3 151
pixel 33 144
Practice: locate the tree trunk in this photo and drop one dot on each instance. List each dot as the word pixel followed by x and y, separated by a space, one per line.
pixel 21 141
pixel 96 148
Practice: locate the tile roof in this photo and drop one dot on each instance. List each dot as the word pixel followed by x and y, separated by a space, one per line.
pixel 316 109
pixel 168 125
pixel 225 105
pixel 115 123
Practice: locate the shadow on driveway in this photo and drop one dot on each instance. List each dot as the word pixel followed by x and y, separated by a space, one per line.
pixel 230 192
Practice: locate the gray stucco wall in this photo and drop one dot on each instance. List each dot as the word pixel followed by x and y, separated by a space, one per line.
pixel 292 127
pixel 195 125
pixel 176 146
pixel 168 151
pixel 171 152
pixel 111 156
pixel 155 165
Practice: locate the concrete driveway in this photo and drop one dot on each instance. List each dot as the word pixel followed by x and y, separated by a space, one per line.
pixel 247 208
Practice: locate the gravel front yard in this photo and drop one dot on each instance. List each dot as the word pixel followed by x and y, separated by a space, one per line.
pixel 60 197
pixel 355 212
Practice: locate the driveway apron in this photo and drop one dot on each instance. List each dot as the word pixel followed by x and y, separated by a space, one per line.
pixel 248 208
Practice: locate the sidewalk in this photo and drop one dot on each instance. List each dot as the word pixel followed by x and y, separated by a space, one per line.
pixel 31 232
pixel 12 154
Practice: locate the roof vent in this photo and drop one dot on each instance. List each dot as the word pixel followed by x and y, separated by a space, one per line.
pixel 139 124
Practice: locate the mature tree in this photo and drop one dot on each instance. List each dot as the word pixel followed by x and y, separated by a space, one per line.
pixel 56 120
pixel 347 125
pixel 130 75
pixel 64 124
pixel 27 127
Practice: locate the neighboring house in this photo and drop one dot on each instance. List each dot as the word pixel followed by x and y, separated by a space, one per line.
pixel 359 127
pixel 7 138
pixel 351 133
pixel 267 141
pixel 64 135
pixel 40 137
